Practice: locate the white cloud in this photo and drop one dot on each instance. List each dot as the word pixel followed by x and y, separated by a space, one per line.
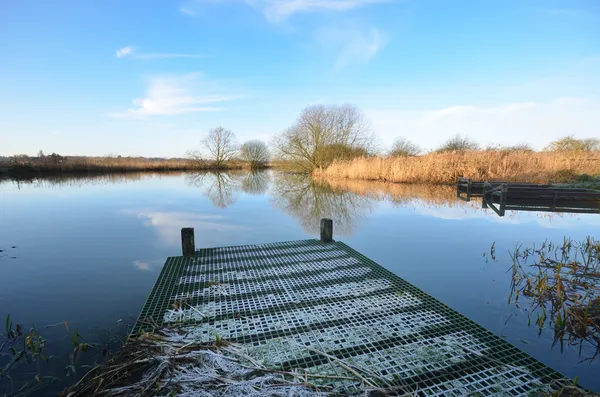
pixel 536 123
pixel 132 53
pixel 173 96
pixel 123 52
pixel 279 10
pixel 351 44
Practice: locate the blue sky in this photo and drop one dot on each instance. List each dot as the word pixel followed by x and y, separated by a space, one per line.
pixel 150 78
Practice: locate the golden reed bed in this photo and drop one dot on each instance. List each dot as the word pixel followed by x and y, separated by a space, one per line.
pixel 445 168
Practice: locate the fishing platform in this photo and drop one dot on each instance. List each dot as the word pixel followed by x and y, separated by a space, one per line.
pixel 311 305
pixel 502 196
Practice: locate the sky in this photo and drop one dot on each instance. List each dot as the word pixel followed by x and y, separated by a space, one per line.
pixel 150 78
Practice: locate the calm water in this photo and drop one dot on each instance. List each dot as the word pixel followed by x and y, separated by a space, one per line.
pixel 88 250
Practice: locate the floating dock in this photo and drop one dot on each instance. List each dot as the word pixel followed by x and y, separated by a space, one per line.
pixel 502 196
pixel 297 305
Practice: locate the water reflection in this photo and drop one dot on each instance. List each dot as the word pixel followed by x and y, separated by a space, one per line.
pixel 221 188
pixel 256 182
pixel 309 200
pixel 80 180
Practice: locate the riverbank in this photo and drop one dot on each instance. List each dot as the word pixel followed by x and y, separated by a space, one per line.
pixel 57 165
pixel 445 168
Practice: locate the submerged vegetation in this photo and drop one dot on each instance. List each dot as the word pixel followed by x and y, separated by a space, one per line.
pixel 562 284
pixel 28 355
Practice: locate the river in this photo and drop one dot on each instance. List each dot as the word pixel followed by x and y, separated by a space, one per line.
pixel 82 253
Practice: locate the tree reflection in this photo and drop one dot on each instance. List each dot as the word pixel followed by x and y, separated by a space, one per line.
pixel 256 182
pixel 221 188
pixel 310 200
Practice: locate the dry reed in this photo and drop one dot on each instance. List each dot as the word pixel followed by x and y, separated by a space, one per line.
pixel 445 168
pixel 82 164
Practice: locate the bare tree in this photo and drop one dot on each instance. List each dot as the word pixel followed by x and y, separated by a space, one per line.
pixel 458 143
pixel 404 148
pixel 325 133
pixel 256 153
pixel 220 145
pixel 571 144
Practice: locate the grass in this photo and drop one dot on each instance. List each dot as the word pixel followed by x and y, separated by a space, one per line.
pixel 22 166
pixel 445 168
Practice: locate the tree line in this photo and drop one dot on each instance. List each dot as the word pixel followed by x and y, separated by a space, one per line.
pixel 324 133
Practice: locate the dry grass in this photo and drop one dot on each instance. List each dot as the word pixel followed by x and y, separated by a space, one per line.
pixel 82 164
pixel 445 168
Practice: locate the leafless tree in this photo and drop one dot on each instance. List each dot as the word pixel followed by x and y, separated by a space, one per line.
pixel 220 145
pixel 404 148
pixel 458 143
pixel 256 153
pixel 571 144
pixel 324 133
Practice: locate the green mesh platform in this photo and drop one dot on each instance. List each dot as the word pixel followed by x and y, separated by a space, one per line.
pixel 277 299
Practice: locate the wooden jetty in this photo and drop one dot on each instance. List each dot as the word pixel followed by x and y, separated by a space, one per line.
pixel 320 307
pixel 502 196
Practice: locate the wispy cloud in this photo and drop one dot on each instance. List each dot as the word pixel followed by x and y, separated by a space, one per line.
pixel 174 95
pixel 123 52
pixel 352 44
pixel 567 12
pixel 279 10
pixel 131 52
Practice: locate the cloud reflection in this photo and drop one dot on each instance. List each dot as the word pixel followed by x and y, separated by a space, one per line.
pixel 168 224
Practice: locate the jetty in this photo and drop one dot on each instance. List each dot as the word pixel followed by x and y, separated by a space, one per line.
pixel 502 196
pixel 321 310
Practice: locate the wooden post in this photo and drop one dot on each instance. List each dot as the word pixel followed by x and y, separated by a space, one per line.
pixel 326 230
pixel 504 193
pixel 469 188
pixel 188 247
pixel 483 192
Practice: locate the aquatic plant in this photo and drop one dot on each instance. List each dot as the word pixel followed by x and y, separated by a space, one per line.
pixel 21 348
pixel 562 284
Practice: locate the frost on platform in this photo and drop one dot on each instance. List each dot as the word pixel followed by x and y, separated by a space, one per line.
pixel 324 309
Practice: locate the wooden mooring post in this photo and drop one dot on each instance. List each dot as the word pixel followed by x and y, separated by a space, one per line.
pixel 188 246
pixel 326 230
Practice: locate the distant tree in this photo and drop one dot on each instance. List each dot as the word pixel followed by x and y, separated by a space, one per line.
pixel 404 148
pixel 570 144
pixel 458 143
pixel 41 154
pixel 220 145
pixel 56 158
pixel 322 134
pixel 256 153
pixel 521 147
